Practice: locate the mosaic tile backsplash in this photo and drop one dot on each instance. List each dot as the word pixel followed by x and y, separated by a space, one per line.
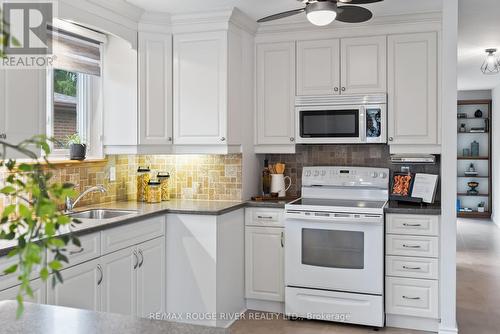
pixel 341 155
pixel 203 177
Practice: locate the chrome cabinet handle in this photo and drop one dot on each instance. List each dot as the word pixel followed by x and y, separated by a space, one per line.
pixel 292 139
pixel 142 258
pixel 282 239
pixel 412 246
pixel 3 136
pixel 411 298
pixel 99 281
pixel 136 260
pixel 169 138
pixel 412 268
pixel 223 139
pixel 391 139
pixel 76 252
pixel 343 89
pixel 336 89
pixel 264 217
pixel 412 225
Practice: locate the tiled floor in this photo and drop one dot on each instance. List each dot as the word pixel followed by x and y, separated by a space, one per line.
pixel 478 295
pixel 478 277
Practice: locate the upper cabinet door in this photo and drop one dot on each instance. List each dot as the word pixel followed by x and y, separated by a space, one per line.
pixel 318 67
pixel 275 93
pixel 22 105
pixel 413 89
pixel 200 88
pixel 364 65
pixel 155 89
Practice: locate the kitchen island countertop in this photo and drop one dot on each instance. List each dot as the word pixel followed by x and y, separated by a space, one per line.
pixel 413 208
pixel 47 319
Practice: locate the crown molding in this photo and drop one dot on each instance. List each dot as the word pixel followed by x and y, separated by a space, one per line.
pixel 155 22
pixel 120 7
pixel 213 20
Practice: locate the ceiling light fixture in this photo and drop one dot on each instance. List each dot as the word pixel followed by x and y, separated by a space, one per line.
pixel 321 13
pixel 492 64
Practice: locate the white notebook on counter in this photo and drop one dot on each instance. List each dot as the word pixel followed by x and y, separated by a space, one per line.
pixel 425 187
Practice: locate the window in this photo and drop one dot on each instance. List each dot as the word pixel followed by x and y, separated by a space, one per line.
pixel 73 87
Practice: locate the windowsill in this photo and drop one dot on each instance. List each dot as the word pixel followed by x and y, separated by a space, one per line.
pixel 64 161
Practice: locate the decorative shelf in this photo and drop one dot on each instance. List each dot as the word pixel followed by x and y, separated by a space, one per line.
pixel 474 214
pixel 465 194
pixel 473 158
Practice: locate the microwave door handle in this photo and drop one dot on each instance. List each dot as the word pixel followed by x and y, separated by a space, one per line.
pixel 362 124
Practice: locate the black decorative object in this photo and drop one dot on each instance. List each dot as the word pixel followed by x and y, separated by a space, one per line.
pixel 473 191
pixel 77 151
pixel 478 114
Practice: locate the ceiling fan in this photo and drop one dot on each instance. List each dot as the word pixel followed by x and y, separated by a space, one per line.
pixel 324 12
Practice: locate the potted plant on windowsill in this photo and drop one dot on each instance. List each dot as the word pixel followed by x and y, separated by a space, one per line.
pixel 77 149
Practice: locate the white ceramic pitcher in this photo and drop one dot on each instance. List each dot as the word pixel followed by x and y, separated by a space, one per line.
pixel 278 184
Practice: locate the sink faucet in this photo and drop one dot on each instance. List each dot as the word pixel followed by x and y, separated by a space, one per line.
pixel 70 204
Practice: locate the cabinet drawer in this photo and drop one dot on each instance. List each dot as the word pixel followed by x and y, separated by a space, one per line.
pixel 90 249
pixel 10 280
pixel 412 297
pixel 413 224
pixel 264 217
pixel 412 267
pixel 125 236
pixel 409 245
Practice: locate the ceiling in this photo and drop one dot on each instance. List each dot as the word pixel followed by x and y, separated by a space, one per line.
pixel 260 8
pixel 479 27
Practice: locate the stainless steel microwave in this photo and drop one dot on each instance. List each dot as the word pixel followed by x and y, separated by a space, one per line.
pixel 341 119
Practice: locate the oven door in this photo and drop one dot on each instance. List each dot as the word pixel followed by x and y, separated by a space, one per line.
pixel 330 125
pixel 340 254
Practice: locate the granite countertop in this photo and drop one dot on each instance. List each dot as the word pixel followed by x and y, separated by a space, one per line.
pixel 278 204
pixel 42 319
pixel 413 208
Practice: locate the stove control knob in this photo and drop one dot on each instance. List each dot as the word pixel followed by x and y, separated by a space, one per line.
pixel 374 175
pixel 383 175
pixel 316 173
pixel 323 172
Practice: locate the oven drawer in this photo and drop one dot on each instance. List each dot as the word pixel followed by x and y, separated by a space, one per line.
pixel 264 217
pixel 412 297
pixel 409 245
pixel 412 267
pixel 335 306
pixel 413 224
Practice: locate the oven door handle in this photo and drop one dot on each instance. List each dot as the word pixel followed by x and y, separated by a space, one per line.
pixel 362 124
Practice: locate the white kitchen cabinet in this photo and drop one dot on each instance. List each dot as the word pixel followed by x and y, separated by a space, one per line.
pixel 151 277
pixel 22 105
pixel 413 111
pixel 264 263
pixel 275 113
pixel 119 287
pixel 155 88
pixel 363 65
pixel 81 287
pixel 200 88
pixel 318 67
pixel 39 293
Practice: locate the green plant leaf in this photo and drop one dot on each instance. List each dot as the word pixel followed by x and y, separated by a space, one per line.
pixel 7 190
pixel 55 265
pixel 11 269
pixel 57 243
pixel 44 274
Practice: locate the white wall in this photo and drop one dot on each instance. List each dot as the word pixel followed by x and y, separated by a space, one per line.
pixel 474 95
pixel 495 173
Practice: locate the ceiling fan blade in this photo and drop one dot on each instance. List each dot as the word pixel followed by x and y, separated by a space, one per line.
pixel 358 2
pixel 282 15
pixel 353 14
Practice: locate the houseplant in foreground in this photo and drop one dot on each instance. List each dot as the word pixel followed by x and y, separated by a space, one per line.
pixel 77 149
pixel 31 219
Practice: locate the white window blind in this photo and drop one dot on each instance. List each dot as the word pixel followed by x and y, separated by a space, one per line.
pixel 76 53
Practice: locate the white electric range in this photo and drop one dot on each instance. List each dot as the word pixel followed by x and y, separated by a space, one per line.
pixel 334 254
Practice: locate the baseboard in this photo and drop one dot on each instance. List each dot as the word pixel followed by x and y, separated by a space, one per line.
pixel 448 330
pixel 223 324
pixel 265 306
pixel 415 323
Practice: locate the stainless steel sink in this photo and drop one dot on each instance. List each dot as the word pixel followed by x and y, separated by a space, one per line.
pixel 101 214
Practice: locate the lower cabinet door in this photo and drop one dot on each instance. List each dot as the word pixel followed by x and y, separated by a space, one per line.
pixel 151 277
pixel 118 288
pixel 264 263
pixel 39 293
pixel 80 288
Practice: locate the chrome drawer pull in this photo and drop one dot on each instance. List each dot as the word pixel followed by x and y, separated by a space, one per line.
pixel 411 298
pixel 264 217
pixel 412 225
pixel 412 246
pixel 76 252
pixel 412 268
pixel 101 275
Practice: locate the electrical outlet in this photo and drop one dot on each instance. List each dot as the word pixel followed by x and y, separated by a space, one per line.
pixel 112 174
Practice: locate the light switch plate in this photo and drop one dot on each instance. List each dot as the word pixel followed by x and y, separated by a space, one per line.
pixel 112 174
